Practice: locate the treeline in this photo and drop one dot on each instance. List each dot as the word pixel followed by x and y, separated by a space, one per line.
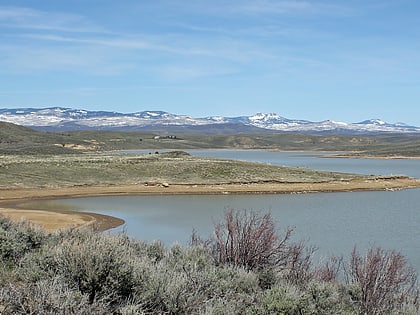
pixel 247 267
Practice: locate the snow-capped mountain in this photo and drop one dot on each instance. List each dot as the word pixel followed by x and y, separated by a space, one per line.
pixel 59 118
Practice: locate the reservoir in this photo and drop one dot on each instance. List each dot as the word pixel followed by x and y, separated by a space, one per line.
pixel 333 222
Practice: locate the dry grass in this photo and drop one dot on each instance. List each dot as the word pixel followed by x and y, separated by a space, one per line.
pixel 99 169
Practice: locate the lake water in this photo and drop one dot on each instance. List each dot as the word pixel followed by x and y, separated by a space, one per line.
pixel 334 222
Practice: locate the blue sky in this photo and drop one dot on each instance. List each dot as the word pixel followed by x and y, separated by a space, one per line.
pixel 316 60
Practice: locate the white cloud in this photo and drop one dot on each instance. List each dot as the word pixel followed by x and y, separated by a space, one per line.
pixel 182 45
pixel 258 8
pixel 17 13
pixel 274 7
pixel 118 42
pixel 57 41
pixel 27 59
pixel 190 72
pixel 27 18
pixel 47 42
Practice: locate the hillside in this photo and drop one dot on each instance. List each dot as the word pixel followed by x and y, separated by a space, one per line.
pixel 15 139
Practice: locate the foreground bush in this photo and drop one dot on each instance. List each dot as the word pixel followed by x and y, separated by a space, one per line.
pixel 49 297
pixel 318 299
pixel 80 272
pixel 384 281
pixel 16 239
pixel 249 240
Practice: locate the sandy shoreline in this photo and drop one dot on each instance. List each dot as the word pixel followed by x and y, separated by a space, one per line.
pixel 12 200
pixel 56 220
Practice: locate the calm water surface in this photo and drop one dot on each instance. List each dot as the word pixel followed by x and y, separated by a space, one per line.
pixel 334 222
pixel 314 160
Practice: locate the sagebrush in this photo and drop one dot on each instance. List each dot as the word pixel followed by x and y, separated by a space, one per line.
pixel 82 272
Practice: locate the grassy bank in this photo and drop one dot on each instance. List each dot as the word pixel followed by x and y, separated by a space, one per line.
pixel 177 167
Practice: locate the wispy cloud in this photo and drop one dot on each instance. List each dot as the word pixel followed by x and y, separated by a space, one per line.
pixel 258 8
pixel 116 41
pixel 220 48
pixel 27 18
pixel 273 7
pixel 89 60
pixel 16 13
pixel 191 72
pixel 48 41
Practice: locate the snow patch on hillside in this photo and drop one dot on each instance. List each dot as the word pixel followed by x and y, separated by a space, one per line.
pixel 79 119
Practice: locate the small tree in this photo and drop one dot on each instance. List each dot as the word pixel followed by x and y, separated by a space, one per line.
pixel 384 280
pixel 250 240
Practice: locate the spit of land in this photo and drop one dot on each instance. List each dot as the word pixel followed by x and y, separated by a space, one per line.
pixel 30 177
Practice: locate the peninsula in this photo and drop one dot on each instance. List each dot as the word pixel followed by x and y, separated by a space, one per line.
pixel 27 178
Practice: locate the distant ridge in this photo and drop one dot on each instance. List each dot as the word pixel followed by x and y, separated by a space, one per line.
pixel 61 118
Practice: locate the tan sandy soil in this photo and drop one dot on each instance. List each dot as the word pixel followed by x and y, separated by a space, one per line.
pixel 11 200
pixel 56 220
pixel 48 220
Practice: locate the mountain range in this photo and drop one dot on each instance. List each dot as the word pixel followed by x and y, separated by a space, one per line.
pixel 61 119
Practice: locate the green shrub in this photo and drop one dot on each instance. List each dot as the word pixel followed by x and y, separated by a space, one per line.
pixel 315 298
pixel 225 306
pixel 287 299
pixel 156 250
pixel 48 297
pixel 231 280
pixel 80 272
pixel 177 283
pixel 97 265
pixel 324 298
pixel 17 239
pixel 187 281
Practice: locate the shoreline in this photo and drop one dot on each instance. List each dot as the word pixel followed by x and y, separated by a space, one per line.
pixel 12 200
pixel 54 220
pixel 378 157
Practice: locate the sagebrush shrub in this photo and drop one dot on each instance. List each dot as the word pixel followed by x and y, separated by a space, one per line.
pixel 286 299
pixel 81 272
pixel 17 239
pixel 48 297
pixel 177 282
pixel 101 265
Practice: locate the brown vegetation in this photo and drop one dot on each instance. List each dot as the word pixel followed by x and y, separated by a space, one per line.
pixel 383 279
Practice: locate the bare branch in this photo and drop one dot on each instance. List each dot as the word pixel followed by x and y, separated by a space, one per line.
pixel 384 279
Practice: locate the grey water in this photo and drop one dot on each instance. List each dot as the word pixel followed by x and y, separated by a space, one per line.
pixel 333 222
